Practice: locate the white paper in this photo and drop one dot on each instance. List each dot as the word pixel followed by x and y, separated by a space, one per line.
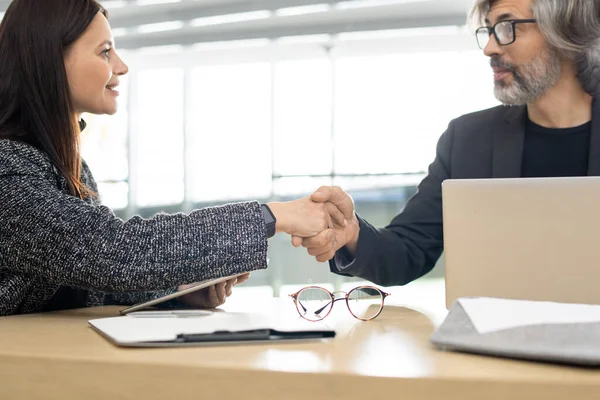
pixel 491 314
pixel 166 325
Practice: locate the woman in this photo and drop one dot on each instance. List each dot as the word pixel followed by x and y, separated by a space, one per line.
pixel 59 247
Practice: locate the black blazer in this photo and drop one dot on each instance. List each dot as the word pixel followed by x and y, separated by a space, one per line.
pixel 485 144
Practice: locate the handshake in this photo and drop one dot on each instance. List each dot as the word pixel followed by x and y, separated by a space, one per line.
pixel 323 222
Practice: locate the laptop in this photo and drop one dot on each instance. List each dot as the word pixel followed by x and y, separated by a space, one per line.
pixel 522 238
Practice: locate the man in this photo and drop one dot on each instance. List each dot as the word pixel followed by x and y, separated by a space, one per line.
pixel 546 64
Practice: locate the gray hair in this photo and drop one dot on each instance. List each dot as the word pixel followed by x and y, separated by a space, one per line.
pixel 571 27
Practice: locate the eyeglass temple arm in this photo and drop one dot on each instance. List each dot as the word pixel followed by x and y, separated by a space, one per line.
pixel 295 297
pixel 327 305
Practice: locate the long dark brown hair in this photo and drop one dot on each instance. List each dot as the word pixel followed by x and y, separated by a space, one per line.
pixel 35 100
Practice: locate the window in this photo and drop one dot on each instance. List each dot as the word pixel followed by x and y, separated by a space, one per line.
pixel 302 118
pixel 277 124
pixel 391 109
pixel 229 135
pixel 104 148
pixel 159 137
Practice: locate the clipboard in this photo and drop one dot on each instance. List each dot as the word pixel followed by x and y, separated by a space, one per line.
pixel 186 328
pixel 575 344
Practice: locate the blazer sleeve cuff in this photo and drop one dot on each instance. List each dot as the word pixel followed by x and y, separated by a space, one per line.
pixel 344 263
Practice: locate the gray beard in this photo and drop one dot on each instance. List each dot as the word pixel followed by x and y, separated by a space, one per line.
pixel 530 81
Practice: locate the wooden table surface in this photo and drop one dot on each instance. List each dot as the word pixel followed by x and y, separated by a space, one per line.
pixel 58 356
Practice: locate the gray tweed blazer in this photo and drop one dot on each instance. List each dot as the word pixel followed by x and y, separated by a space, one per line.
pixel 57 251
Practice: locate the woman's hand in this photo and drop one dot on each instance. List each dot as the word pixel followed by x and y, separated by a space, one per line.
pixel 305 217
pixel 212 296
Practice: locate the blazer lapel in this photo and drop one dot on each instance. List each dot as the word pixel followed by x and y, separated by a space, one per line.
pixel 509 138
pixel 594 154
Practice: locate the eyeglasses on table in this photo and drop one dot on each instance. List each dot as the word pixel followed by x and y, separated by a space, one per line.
pixel 314 303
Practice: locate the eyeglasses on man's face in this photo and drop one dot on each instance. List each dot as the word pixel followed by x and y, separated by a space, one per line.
pixel 504 31
pixel 315 303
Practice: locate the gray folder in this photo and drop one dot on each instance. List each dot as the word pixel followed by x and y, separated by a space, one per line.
pixel 574 344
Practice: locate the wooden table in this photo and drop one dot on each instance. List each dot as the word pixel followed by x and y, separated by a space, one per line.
pixel 58 356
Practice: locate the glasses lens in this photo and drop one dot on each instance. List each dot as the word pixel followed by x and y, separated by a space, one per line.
pixel 365 302
pixel 314 303
pixel 504 32
pixel 483 37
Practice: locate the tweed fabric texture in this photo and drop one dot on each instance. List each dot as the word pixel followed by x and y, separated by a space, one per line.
pixel 50 240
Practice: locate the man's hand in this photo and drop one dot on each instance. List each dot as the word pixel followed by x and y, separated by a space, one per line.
pixel 212 296
pixel 324 245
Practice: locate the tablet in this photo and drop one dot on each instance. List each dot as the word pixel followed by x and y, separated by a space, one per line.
pixel 197 286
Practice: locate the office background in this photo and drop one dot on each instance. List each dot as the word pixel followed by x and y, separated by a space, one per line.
pixel 230 100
